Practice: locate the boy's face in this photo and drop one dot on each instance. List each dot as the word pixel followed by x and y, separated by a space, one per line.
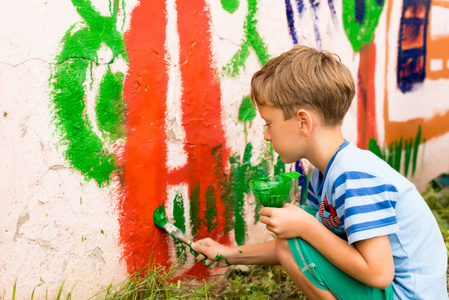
pixel 284 135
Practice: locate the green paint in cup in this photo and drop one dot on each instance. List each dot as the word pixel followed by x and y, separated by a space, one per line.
pixel 273 191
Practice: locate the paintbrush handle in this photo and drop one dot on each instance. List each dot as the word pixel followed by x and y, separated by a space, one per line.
pixel 177 233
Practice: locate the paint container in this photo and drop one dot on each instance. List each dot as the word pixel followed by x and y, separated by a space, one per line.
pixel 273 191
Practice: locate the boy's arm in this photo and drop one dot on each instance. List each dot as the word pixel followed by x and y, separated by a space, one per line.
pixel 257 254
pixel 369 261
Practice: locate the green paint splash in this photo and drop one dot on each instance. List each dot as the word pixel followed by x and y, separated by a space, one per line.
pixel 180 222
pixel 408 152
pixel 110 107
pixel 84 149
pixel 359 34
pixel 247 113
pixel 393 156
pixel 211 209
pixel 415 150
pixel 225 188
pixel 252 39
pixel 195 216
pixel 230 5
pixel 279 167
pixel 219 256
pixel 241 187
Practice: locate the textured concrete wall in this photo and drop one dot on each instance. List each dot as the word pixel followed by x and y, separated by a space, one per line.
pixel 109 109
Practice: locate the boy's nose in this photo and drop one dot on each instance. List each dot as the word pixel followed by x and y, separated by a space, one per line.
pixel 267 136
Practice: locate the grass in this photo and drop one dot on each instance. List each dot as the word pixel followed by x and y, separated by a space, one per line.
pixel 254 282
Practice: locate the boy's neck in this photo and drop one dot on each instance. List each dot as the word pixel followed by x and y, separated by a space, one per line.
pixel 325 142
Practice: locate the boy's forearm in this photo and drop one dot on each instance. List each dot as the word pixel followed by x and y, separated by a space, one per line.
pixel 257 254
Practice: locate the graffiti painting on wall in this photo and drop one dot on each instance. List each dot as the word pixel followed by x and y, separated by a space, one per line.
pixel 420 58
pixel 207 199
pixel 111 90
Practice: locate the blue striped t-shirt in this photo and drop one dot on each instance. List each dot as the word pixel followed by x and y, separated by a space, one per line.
pixel 360 197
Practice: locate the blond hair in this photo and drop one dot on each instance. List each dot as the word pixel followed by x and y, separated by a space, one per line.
pixel 306 78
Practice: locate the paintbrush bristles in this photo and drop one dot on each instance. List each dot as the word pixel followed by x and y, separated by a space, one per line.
pixel 159 217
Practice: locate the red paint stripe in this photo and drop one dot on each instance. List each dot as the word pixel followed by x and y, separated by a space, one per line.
pixel 201 105
pixel 366 98
pixel 145 174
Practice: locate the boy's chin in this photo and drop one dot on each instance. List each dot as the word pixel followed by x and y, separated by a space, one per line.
pixel 286 161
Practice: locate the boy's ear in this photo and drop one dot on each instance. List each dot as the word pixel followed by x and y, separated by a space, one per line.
pixel 305 122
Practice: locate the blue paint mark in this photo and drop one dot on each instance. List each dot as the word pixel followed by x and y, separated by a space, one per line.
pixel 315 6
pixel 302 181
pixel 332 7
pixel 291 21
pixel 411 66
pixel 300 5
pixel 360 10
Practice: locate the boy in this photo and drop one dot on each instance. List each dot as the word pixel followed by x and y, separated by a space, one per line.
pixel 366 233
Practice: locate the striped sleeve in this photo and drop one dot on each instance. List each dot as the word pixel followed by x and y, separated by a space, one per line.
pixel 365 205
pixel 312 198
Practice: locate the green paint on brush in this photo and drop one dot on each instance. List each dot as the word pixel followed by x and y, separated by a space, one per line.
pixel 159 217
pixel 84 149
pixel 195 216
pixel 361 33
pixel 252 39
pixel 211 209
pixel 180 222
pixel 230 5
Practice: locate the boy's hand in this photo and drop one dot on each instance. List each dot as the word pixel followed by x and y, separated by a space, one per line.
pixel 215 254
pixel 284 222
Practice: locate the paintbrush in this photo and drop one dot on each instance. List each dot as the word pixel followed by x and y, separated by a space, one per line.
pixel 160 219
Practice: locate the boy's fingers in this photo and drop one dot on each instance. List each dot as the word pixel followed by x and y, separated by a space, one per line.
pixel 265 211
pixel 265 219
pixel 200 257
